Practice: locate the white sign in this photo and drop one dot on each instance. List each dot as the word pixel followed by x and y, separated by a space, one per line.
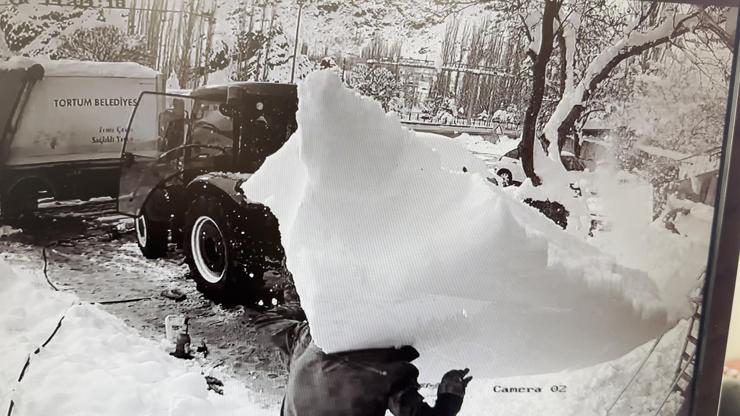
pixel 79 118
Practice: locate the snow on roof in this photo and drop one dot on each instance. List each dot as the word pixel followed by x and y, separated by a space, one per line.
pixel 595 140
pixel 72 68
pixel 658 151
pixel 178 91
pixel 478 144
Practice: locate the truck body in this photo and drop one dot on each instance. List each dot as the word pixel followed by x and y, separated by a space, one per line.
pixel 63 124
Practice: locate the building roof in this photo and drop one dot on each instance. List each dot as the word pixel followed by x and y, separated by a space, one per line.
pixel 658 151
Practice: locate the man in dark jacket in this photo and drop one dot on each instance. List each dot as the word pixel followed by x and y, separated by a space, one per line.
pixel 353 383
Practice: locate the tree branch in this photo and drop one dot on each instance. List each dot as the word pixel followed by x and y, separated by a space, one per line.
pixel 569 108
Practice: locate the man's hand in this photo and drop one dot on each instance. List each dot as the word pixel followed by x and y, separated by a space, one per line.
pixel 454 382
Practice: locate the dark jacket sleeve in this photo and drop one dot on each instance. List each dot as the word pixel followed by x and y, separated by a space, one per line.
pixel 410 403
pixel 285 333
pixel 405 399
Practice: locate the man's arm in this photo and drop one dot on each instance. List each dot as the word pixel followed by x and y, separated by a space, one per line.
pixel 411 403
pixel 282 328
pixel 408 402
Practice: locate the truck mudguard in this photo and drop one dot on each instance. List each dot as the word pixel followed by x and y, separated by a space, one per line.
pixel 252 219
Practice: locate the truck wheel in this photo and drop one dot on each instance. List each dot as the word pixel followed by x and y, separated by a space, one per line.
pixel 151 236
pixel 19 204
pixel 220 270
pixel 506 177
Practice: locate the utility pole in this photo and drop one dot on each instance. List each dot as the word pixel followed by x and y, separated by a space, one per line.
pixel 266 69
pixel 295 46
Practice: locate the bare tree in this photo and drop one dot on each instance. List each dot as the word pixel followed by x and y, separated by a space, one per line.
pixel 634 42
pixel 541 36
pixel 592 38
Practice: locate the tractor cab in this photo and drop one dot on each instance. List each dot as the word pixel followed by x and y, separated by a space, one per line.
pixel 228 128
pixel 181 182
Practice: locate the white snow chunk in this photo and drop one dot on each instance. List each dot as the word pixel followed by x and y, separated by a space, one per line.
pixel 389 246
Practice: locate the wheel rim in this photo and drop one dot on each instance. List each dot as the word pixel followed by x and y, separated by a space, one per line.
pixel 141 230
pixel 505 177
pixel 208 249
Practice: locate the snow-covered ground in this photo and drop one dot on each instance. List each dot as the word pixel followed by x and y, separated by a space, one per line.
pixel 96 364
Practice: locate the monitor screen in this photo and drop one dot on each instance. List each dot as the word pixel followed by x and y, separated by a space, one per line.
pixel 464 207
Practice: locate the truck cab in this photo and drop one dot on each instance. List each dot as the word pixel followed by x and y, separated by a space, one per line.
pixel 183 183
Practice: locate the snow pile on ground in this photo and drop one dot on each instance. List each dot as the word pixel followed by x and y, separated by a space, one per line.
pixel 589 391
pixel 95 364
pixel 556 186
pixel 674 259
pixel 6 230
pixel 452 156
pixel 388 246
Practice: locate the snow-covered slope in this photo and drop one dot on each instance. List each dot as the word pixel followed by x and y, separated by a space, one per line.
pixel 391 246
pixel 37 29
pixel 346 26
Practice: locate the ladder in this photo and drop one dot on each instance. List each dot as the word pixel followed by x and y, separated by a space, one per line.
pixel 685 369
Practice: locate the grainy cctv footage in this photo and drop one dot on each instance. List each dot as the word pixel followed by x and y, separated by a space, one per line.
pixel 489 207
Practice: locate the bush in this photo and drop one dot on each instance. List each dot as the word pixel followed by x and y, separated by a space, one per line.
pixel 379 83
pixel 105 43
pixel 553 210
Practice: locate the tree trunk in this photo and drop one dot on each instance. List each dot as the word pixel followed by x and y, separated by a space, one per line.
pixel 563 62
pixel 539 74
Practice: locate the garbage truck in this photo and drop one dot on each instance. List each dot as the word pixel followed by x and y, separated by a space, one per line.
pixel 62 127
pixel 183 162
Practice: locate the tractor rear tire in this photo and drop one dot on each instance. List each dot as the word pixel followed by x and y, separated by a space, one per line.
pixel 151 237
pixel 222 271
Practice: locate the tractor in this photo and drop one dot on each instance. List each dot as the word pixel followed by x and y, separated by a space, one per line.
pixel 182 184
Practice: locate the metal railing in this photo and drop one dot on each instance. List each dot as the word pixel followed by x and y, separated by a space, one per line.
pixel 458 121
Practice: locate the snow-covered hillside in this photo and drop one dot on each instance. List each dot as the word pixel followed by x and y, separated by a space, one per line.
pixel 37 30
pixel 344 27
